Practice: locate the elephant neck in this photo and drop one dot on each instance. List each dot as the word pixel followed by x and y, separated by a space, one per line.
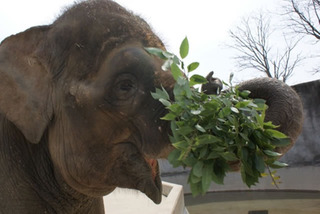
pixel 28 182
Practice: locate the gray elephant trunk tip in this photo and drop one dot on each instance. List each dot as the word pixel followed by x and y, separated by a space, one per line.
pixel 284 105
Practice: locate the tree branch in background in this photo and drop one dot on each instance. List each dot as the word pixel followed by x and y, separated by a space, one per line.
pixel 251 40
pixel 304 17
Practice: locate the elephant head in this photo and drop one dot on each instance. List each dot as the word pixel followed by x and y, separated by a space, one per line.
pixel 80 89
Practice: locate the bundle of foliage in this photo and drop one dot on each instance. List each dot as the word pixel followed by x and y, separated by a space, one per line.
pixel 211 133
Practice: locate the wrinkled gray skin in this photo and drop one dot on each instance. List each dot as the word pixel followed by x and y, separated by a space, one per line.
pixel 77 118
pixel 284 105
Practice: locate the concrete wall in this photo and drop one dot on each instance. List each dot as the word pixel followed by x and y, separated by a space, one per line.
pixel 303 158
pixel 306 150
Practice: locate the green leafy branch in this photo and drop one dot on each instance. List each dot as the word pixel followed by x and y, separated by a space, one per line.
pixel 213 134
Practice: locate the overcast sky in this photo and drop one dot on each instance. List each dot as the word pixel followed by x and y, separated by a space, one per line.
pixel 205 22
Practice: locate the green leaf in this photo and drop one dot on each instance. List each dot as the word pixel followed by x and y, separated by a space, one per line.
pixel 182 81
pixel 259 119
pixel 169 116
pixel 193 66
pixel 168 55
pixel 275 133
pixel 173 158
pixel 218 173
pixel 207 173
pixel 185 130
pixel 244 93
pixel 165 102
pixel 156 51
pixel 228 156
pixel 197 79
pixel 187 90
pixel 195 188
pixel 243 174
pixel 160 94
pixel 167 65
pixel 200 128
pixel 225 112
pixel 190 160
pixel 217 179
pixel 194 179
pixel 175 136
pixel 271 153
pixel 278 164
pixel 244 154
pixel 203 152
pixel 234 109
pixel 181 144
pixel 176 72
pixel 259 163
pixel 206 139
pixel 251 180
pixel 243 104
pixel 260 103
pixel 197 169
pixel 184 48
pixel 281 142
pixel 176 60
pixel 175 108
pixel 195 112
pixel 219 149
pixel 213 155
pixel 269 125
pixel 244 136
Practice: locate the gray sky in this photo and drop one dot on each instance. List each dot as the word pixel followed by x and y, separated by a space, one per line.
pixel 205 22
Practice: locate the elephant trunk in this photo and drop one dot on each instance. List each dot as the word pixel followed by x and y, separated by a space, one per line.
pixel 284 105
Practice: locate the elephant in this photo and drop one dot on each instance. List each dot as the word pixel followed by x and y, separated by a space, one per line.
pixel 76 113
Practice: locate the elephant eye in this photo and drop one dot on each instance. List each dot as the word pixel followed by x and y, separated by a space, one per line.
pixel 125 87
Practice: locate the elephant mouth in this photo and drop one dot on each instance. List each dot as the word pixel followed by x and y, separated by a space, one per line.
pixel 153 163
pixel 154 189
pixel 151 184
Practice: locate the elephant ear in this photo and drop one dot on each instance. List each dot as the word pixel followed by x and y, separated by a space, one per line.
pixel 25 84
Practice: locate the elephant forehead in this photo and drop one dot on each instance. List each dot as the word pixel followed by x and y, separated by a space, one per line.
pixel 104 20
pixel 86 34
pixel 130 59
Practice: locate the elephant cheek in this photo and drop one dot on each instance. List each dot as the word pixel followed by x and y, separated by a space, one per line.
pixel 89 175
pixel 83 167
